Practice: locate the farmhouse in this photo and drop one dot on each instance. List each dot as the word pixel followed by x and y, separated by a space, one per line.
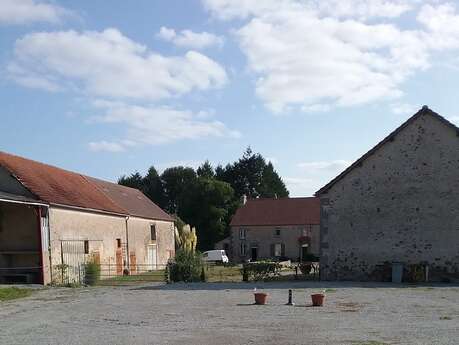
pixel 274 228
pixel 398 203
pixel 51 218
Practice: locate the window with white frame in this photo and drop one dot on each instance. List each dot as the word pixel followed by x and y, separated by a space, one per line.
pixel 242 233
pixel 278 249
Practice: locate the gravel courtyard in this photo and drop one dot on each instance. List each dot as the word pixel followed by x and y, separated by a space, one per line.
pixel 223 314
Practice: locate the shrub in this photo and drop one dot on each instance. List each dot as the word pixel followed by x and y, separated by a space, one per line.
pixel 187 266
pixel 91 273
pixel 305 268
pixel 260 270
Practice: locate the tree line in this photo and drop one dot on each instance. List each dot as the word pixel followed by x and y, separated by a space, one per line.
pixel 208 197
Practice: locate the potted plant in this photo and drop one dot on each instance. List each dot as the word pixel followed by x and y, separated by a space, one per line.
pixel 318 299
pixel 260 297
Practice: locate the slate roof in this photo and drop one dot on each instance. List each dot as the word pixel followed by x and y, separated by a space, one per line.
pixel 62 187
pixel 424 111
pixel 283 211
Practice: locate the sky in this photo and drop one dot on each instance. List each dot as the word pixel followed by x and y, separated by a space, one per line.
pixel 109 88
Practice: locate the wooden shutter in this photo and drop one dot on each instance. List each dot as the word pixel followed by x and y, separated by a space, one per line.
pixel 282 249
pixel 272 250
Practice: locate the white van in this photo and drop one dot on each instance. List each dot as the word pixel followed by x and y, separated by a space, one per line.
pixel 215 256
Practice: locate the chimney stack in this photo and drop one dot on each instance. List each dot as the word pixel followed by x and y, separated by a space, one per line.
pixel 244 199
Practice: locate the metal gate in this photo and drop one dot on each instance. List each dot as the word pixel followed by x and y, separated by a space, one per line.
pixel 73 258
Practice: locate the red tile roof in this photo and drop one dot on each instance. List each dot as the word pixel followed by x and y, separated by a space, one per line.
pixel 61 187
pixel 132 200
pixel 284 211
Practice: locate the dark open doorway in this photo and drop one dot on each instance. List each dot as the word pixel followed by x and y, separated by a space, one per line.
pixel 304 252
pixel 20 243
pixel 254 253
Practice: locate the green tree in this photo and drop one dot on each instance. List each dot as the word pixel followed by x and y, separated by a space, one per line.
pixel 206 170
pixel 272 185
pixel 205 206
pixel 153 187
pixel 175 181
pixel 251 176
pixel 134 180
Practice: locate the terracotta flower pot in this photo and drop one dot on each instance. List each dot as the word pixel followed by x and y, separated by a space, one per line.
pixel 318 299
pixel 260 297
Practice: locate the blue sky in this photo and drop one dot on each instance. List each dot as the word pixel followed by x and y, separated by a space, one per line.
pixel 108 88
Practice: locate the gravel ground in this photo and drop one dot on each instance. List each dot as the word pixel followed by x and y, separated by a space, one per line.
pixel 365 314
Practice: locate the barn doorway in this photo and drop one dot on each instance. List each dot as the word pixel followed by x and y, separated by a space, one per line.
pixel 23 235
pixel 254 254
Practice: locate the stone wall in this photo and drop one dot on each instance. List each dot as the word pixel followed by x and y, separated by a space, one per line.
pixel 400 205
pixel 140 239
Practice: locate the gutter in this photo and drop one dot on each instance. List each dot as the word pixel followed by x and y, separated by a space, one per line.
pixel 89 210
pixel 127 244
pixel 24 202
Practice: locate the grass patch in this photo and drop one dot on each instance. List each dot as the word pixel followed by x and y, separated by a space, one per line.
pixel 330 290
pixel 7 294
pixel 220 273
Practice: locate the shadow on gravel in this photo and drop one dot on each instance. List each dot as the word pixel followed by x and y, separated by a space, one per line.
pixel 288 285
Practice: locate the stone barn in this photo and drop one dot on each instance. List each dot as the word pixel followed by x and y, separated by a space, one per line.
pixel 52 221
pixel 398 203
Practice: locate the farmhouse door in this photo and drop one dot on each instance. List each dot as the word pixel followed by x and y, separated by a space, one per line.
pixel 151 257
pixel 254 253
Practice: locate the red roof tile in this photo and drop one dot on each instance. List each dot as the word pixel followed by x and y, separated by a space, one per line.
pixel 132 200
pixel 284 211
pixel 57 186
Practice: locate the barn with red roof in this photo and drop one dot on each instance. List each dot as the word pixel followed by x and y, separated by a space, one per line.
pixel 53 221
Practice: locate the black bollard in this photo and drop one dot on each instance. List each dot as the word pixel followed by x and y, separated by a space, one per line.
pixel 290 298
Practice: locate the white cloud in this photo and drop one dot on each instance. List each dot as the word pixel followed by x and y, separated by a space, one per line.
pixel 155 125
pixel 106 146
pixel 319 54
pixel 403 108
pixel 190 39
pixel 30 11
pixel 299 186
pixel 320 167
pixel 311 176
pixel 362 9
pixel 109 64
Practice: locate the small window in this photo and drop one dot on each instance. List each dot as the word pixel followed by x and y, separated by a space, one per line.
pixel 278 250
pixel 277 232
pixel 118 242
pixel 242 233
pixel 153 232
pixel 243 249
pixel 86 247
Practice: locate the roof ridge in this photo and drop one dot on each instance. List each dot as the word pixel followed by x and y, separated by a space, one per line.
pixel 283 198
pixel 425 110
pixel 40 163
